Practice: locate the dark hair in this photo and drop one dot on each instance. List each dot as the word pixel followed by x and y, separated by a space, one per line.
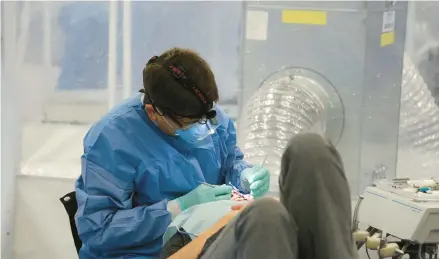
pixel 168 93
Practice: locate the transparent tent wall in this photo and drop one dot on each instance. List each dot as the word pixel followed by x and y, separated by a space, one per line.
pixel 72 57
pixel 84 63
pixel 10 131
pixel 85 27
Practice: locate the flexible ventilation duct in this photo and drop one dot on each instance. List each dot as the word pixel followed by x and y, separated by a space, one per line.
pixel 299 100
pixel 288 102
pixel 419 125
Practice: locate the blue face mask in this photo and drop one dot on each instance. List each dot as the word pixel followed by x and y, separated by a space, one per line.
pixel 193 134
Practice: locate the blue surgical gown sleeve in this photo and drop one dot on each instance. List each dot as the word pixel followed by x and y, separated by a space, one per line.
pixel 234 162
pixel 106 219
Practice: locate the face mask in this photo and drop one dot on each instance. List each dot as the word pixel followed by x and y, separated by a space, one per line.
pixel 193 134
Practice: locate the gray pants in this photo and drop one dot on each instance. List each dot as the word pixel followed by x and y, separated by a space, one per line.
pixel 313 219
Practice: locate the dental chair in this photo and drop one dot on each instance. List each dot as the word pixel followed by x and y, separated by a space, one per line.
pixel 71 206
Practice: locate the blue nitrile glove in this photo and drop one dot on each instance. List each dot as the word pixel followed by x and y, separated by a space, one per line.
pixel 203 194
pixel 256 180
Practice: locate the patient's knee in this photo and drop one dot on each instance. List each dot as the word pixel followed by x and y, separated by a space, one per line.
pixel 266 210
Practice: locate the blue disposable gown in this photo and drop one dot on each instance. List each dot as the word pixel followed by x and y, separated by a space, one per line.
pixel 130 170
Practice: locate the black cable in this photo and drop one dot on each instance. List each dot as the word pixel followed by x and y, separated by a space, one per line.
pixel 367 252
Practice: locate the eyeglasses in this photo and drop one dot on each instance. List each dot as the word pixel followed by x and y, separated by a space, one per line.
pixel 177 122
pixel 208 125
pixel 174 123
pixel 201 131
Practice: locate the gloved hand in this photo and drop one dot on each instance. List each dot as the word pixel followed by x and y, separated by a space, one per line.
pixel 203 194
pixel 256 180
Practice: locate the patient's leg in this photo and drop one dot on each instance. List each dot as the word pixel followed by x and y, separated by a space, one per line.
pixel 315 192
pixel 262 230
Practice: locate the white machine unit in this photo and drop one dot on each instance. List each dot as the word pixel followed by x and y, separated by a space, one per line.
pixel 403 208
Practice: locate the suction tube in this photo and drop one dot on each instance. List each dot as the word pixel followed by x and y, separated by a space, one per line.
pixel 288 102
pixel 419 124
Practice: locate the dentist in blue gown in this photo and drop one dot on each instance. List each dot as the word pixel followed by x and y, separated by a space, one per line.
pixel 148 159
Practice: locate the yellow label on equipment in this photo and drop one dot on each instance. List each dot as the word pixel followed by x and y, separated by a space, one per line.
pixel 387 38
pixel 304 17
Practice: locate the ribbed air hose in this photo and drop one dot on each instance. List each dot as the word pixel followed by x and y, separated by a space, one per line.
pixel 419 112
pixel 419 125
pixel 299 100
pixel 288 102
